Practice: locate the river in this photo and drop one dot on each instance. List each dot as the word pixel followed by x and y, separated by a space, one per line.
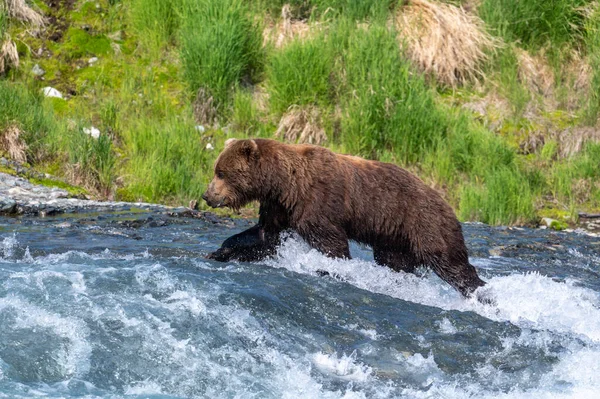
pixel 123 305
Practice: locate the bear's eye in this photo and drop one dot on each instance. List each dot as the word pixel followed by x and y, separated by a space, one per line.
pixel 220 175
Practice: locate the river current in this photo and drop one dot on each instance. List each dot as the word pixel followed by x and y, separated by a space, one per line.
pixel 124 305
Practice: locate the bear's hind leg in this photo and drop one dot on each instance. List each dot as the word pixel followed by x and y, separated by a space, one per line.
pixel 396 260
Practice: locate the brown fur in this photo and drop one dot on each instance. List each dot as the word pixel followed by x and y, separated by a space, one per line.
pixel 329 199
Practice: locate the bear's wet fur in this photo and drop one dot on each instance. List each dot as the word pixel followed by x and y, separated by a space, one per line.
pixel 328 199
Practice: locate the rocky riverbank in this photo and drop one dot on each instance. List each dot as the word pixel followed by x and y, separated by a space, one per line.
pixel 19 196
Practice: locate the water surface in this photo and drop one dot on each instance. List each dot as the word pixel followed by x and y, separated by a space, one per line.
pixel 123 305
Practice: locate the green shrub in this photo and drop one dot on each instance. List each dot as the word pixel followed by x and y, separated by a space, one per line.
pixel 535 23
pixel 221 45
pixel 299 74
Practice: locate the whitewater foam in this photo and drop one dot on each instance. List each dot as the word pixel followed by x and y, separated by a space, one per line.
pixel 527 300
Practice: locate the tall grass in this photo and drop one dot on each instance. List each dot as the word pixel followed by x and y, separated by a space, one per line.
pixel 26 109
pixel 92 161
pixel 3 22
pixel 535 23
pixel 506 71
pixel 355 10
pixel 245 115
pixel 575 180
pixel 504 198
pixel 592 108
pixel 221 46
pixel 156 21
pixel 167 160
pixel 299 74
pixel 386 106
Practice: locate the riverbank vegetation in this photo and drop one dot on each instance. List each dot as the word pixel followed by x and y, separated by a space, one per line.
pixel 495 102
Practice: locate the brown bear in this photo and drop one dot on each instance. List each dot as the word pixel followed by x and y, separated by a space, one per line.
pixel 328 199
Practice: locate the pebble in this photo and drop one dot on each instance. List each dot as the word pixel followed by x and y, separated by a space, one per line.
pixel 37 70
pixel 52 92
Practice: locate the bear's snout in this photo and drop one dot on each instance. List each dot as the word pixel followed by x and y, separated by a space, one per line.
pixel 213 197
pixel 211 200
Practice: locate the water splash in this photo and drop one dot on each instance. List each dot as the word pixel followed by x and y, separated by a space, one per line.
pixel 131 321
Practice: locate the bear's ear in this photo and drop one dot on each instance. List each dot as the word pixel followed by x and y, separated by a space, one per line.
pixel 229 142
pixel 250 148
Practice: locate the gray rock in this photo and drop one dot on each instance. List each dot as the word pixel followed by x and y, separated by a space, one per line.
pixel 7 206
pixel 52 92
pixel 37 70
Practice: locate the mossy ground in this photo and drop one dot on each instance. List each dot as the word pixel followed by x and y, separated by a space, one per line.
pixel 134 69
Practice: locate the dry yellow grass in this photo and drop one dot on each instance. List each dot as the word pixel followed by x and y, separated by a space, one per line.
pixel 444 41
pixel 301 125
pixel 8 54
pixel 204 108
pixel 12 144
pixel 19 9
pixel 572 140
pixel 287 29
pixel 535 72
pixel 16 9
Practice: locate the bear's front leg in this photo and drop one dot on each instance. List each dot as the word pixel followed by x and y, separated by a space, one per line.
pixel 248 246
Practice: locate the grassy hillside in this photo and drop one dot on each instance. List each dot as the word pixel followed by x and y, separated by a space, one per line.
pixel 494 102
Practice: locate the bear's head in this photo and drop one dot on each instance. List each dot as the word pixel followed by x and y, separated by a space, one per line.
pixel 235 181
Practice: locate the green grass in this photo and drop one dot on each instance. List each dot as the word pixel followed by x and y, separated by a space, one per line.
pixel 535 23
pixel 3 22
pixel 221 46
pixel 93 160
pixel 371 101
pixel 503 198
pixel 72 190
pixel 506 72
pixel 386 107
pixel 592 108
pixel 356 10
pixel 300 74
pixel 245 116
pixel 167 161
pixel 155 22
pixel 575 180
pixel 27 111
pixel 78 43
